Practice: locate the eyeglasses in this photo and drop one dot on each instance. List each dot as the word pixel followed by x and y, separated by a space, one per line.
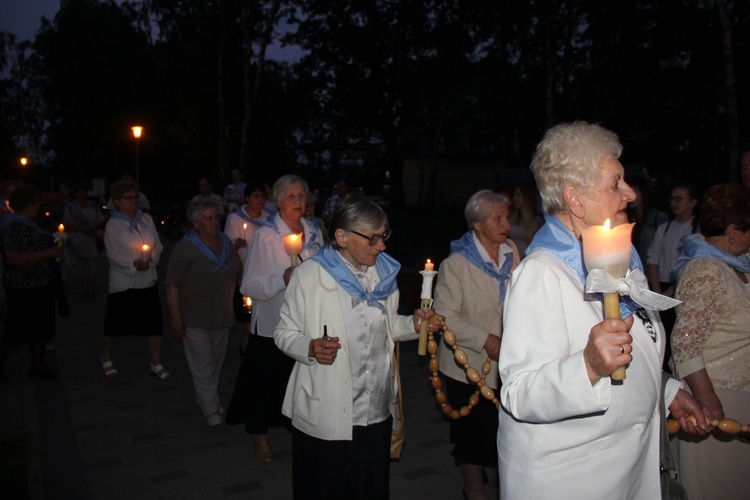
pixel 373 240
pixel 133 197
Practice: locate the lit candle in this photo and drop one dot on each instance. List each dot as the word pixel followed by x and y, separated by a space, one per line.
pixel 61 238
pixel 247 303
pixel 427 276
pixel 293 246
pixel 146 252
pixel 609 249
pixel 244 230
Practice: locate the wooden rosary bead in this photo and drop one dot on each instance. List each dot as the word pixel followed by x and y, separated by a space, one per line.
pixel 726 425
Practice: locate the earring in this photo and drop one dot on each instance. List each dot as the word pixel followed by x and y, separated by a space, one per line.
pixel 731 241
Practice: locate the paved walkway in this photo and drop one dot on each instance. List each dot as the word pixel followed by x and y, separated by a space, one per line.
pixel 139 437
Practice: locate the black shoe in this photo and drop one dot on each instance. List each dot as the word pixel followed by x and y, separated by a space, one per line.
pixel 42 372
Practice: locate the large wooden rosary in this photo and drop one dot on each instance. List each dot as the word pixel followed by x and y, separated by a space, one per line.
pixel 471 373
pixel 727 425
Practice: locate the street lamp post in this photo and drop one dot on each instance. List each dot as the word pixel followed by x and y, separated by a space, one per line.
pixel 23 161
pixel 137 131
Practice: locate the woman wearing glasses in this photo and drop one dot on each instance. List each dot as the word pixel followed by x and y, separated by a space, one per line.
pixel 339 322
pixel 262 378
pixel 133 250
pixel 470 292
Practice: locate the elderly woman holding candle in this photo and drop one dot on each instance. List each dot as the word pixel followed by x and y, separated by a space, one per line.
pixel 28 254
pixel 566 430
pixel 339 322
pixel 276 247
pixel 203 271
pixel 711 340
pixel 133 249
pixel 240 226
pixel 469 293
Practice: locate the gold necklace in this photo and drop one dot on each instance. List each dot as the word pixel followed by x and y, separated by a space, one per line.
pixel 472 373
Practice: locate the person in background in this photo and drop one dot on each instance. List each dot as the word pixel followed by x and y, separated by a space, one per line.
pixel 565 430
pixel 666 248
pixel 28 253
pixel 82 219
pixel 270 205
pixel 711 341
pixel 745 167
pixel 341 394
pixel 342 191
pixel 133 306
pixel 57 206
pixel 646 215
pixel 204 270
pixel 143 203
pixel 6 189
pixel 470 292
pixel 205 193
pixel 234 193
pixel 239 228
pixel 262 378
pixel 316 222
pixel 524 221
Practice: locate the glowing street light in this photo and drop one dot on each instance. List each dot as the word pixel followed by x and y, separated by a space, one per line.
pixel 23 161
pixel 137 131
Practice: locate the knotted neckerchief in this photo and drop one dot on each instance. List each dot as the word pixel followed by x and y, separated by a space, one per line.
pixel 556 239
pixel 9 218
pixel 695 246
pixel 220 261
pixel 132 223
pixel 388 267
pixel 245 216
pixel 467 248
pixel 309 242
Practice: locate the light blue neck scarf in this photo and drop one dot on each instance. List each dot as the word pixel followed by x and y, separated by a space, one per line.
pixel 556 239
pixel 309 243
pixel 330 260
pixel 9 218
pixel 220 261
pixel 467 248
pixel 244 215
pixel 132 223
pixel 695 246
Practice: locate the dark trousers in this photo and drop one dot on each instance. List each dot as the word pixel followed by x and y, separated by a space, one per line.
pixel 343 470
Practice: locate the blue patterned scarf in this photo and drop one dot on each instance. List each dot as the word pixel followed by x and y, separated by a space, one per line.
pixel 695 246
pixel 132 223
pixel 220 261
pixel 555 238
pixel 330 260
pixel 467 248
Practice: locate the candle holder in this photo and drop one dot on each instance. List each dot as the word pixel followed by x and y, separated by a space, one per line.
pixel 293 246
pixel 609 250
pixel 428 274
pixel 59 238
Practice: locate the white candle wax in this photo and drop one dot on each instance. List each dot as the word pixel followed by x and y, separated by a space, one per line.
pixel 607 249
pixel 427 277
pixel 293 244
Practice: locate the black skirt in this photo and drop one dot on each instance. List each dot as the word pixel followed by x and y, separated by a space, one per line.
pixel 474 436
pixel 134 312
pixel 31 315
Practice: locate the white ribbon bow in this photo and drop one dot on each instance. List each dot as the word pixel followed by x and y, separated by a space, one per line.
pixel 58 236
pixel 633 284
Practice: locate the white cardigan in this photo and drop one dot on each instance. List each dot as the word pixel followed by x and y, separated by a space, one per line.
pixel 559 436
pixel 319 397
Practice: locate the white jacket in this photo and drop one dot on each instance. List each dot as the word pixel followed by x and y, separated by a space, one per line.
pixel 319 397
pixel 559 436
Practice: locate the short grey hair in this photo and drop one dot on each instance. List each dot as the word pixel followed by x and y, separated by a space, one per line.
pixel 479 205
pixel 570 154
pixel 356 213
pixel 283 183
pixel 196 208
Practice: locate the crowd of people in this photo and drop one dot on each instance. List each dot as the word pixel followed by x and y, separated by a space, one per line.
pixel 318 301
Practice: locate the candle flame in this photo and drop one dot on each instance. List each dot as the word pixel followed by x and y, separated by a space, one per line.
pixel 244 226
pixel 60 228
pixel 145 248
pixel 428 261
pixel 607 225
